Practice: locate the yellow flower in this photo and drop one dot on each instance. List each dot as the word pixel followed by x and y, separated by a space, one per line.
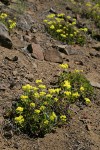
pixel 45 21
pixel 45 103
pixel 34 88
pixel 52 91
pixel 73 23
pixel 48 96
pixel 51 16
pixel 71 35
pixel 42 108
pixel 61 15
pixel 87 100
pixel 32 105
pixel 42 86
pixel 68 17
pixel 42 93
pixel 81 88
pixel 19 109
pixel 36 95
pixel 27 87
pixel 63 35
pixel 23 97
pixel 63 118
pixel 19 119
pixel 55 99
pixel 78 71
pixel 37 111
pixel 85 29
pixel 46 122
pixel 75 95
pixel 49 23
pixel 3 15
pixel 53 116
pixel 52 27
pixel 67 84
pixel 58 30
pixel 88 4
pixel 57 90
pixel 64 66
pixel 38 81
pixel 67 93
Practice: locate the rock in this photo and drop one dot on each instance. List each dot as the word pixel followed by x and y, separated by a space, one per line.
pixel 25 22
pixel 97 46
pixel 8 134
pixel 88 127
pixel 30 77
pixel 51 54
pixel 95 54
pixel 36 50
pixel 5 39
pixel 95 84
pixel 7 127
pixel 6 2
pixel 68 50
pixel 79 62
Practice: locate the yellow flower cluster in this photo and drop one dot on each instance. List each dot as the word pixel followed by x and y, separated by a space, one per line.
pixel 27 87
pixel 75 95
pixel 19 119
pixel 53 116
pixel 67 93
pixel 64 66
pixel 67 84
pixel 60 27
pixel 32 105
pixel 63 118
pixel 19 109
pixel 37 111
pixel 46 122
pixel 12 24
pixel 87 100
pixel 38 81
pixel 3 15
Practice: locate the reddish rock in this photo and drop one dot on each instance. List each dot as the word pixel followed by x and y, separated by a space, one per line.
pixel 36 50
pixel 53 55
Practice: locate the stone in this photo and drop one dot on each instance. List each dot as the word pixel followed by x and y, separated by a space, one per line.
pixel 5 39
pixel 25 22
pixel 96 46
pixel 69 50
pixel 36 51
pixel 95 84
pixel 52 54
pixel 95 54
pixel 8 134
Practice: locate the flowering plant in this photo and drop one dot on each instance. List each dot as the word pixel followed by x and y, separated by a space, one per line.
pixel 65 28
pixel 40 109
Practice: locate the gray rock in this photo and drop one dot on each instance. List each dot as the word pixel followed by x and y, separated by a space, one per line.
pixel 36 51
pixel 95 84
pixel 25 22
pixel 8 134
pixel 53 55
pixel 68 50
pixel 96 54
pixel 96 46
pixel 5 39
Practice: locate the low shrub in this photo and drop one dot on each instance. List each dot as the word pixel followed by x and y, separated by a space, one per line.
pixel 40 109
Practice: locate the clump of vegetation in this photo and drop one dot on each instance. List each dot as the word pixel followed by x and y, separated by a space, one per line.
pixel 90 9
pixel 65 28
pixel 40 109
pixel 9 23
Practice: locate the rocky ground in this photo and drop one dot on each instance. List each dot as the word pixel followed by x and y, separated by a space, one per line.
pixel 30 53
